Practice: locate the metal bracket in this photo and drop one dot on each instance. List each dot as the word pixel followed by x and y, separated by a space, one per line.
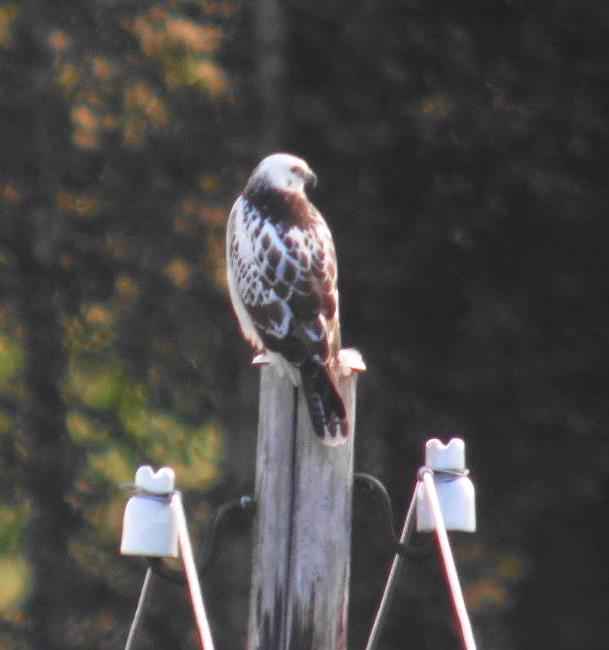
pixel 379 491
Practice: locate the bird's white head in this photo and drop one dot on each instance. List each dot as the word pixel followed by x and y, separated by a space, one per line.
pixel 282 171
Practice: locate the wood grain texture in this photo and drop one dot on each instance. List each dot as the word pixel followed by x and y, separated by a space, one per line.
pixel 302 540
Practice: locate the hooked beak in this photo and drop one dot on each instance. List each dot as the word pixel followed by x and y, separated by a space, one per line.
pixel 310 179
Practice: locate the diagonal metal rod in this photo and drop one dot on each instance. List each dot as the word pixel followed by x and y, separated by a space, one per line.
pixel 469 643
pixel 394 572
pixel 139 612
pixel 192 577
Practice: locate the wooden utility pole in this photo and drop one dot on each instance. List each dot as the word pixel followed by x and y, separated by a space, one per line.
pixel 302 542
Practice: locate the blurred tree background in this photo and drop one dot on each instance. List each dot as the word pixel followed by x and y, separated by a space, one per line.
pixel 461 150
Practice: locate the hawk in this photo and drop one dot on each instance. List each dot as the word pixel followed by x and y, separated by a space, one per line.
pixel 282 278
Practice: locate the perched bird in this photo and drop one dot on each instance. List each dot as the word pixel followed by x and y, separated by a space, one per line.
pixel 282 277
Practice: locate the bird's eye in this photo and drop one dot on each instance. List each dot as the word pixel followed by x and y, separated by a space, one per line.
pixel 295 170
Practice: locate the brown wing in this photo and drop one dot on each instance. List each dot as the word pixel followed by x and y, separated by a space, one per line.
pixel 314 300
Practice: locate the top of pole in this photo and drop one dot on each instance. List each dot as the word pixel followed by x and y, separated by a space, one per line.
pixel 349 360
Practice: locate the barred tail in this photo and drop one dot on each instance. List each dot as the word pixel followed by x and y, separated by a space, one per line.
pixel 326 407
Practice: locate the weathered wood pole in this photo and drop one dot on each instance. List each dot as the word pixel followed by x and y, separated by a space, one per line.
pixel 302 538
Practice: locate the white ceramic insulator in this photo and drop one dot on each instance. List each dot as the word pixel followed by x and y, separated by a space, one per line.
pixel 456 495
pixel 150 522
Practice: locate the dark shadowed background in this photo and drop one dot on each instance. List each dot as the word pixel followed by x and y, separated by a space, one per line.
pixel 462 154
